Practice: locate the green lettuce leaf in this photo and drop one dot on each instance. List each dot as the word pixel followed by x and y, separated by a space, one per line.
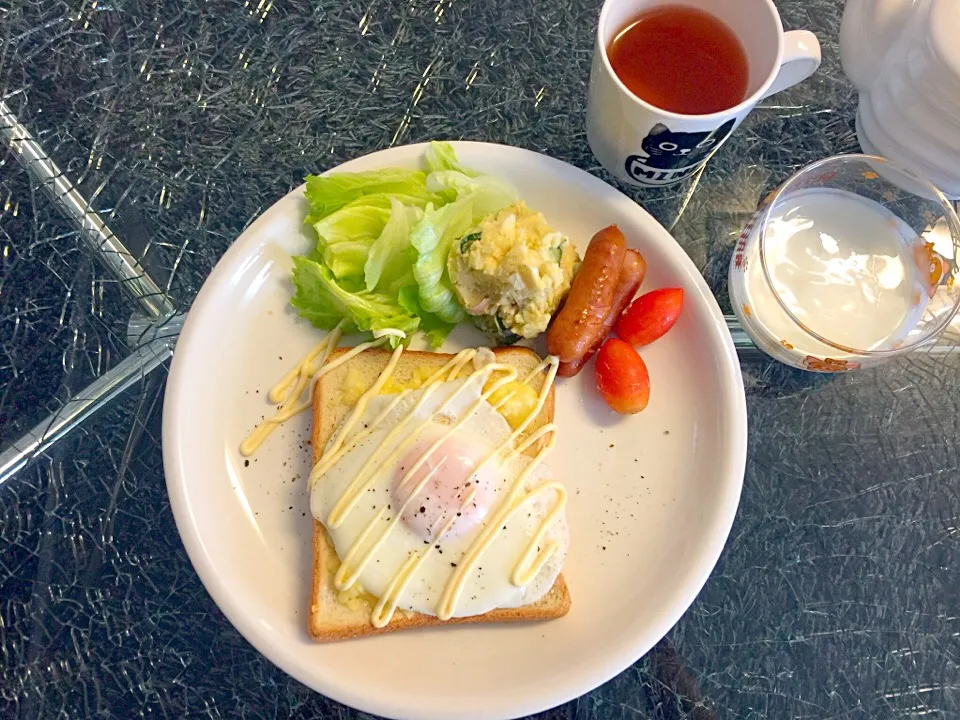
pixel 432 326
pixel 461 184
pixel 347 258
pixel 325 304
pixel 441 156
pixel 432 237
pixel 383 238
pixel 389 256
pixel 328 193
pixel 351 224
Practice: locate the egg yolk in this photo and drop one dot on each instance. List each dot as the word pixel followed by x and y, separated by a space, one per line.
pixel 453 490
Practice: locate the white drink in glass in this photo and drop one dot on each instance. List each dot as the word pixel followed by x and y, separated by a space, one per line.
pixel 844 265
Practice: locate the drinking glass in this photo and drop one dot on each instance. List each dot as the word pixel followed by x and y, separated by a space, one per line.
pixel 852 261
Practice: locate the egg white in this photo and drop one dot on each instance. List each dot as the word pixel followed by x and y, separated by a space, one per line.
pixel 488 586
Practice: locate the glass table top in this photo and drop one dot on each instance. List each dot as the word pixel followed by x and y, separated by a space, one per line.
pixel 156 132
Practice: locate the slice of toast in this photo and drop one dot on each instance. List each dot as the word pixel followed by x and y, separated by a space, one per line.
pixel 329 618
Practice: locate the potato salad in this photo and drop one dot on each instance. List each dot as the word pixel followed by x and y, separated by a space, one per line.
pixel 511 273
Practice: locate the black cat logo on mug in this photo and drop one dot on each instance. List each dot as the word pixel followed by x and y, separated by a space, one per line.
pixel 671 156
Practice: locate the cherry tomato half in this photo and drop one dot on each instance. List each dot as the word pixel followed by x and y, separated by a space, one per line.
pixel 622 377
pixel 650 316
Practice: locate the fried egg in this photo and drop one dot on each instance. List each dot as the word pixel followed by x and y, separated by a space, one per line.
pixel 435 504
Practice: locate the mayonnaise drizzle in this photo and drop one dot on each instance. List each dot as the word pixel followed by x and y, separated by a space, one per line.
pixel 508 506
pixel 387 605
pixel 364 479
pixel 536 553
pixel 337 450
pixel 346 576
pixel 302 377
pixel 289 394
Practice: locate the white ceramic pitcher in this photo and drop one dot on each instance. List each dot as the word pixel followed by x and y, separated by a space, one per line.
pixel 904 58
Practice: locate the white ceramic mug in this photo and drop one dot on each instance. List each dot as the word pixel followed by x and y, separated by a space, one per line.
pixel 622 128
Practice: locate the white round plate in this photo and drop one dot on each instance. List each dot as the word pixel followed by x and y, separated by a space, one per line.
pixel 652 496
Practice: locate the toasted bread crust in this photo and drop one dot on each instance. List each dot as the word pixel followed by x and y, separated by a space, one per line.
pixel 556 603
pixel 329 620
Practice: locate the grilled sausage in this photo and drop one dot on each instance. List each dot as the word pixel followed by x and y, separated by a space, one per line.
pixel 579 323
pixel 631 275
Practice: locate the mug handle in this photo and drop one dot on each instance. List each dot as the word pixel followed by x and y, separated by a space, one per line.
pixel 801 58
